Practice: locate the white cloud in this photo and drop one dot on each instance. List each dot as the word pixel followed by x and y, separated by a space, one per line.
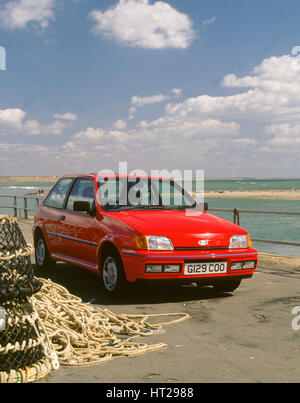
pixel 169 133
pixel 284 129
pixel 131 113
pixel 118 135
pixel 90 134
pixel 18 149
pixel 196 128
pixel 34 128
pixel 142 101
pixel 65 116
pixel 139 102
pixel 137 23
pixel 284 134
pixel 210 21
pixel 19 13
pixel 245 141
pixel 120 124
pixel 11 120
pixel 273 92
pixel 177 91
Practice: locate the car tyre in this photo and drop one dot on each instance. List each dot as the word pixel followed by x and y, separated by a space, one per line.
pixel 227 285
pixel 42 257
pixel 112 273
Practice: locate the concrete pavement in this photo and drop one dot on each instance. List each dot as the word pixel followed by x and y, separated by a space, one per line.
pixel 245 336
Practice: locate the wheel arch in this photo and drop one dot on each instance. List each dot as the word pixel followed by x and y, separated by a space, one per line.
pixel 37 231
pixel 108 244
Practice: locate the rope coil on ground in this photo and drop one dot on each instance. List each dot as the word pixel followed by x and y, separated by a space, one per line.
pixel 85 335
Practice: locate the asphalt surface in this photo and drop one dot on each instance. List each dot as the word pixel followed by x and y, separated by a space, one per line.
pixel 245 336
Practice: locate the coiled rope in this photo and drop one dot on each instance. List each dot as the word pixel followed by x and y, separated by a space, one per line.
pixel 84 335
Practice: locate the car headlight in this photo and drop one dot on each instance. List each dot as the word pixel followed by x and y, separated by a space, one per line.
pixel 159 243
pixel 154 242
pixel 239 242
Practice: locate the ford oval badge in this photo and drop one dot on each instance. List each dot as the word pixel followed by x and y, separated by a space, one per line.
pixel 203 243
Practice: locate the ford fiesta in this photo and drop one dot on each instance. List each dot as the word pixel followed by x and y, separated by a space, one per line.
pixel 128 228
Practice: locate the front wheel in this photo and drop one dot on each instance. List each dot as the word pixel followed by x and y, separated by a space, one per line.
pixel 112 274
pixel 227 285
pixel 42 256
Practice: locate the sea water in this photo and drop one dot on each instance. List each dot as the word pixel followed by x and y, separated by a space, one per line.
pixel 21 189
pixel 252 184
pixel 272 227
pixel 264 226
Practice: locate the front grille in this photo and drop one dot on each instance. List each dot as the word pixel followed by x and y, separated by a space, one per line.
pixel 203 248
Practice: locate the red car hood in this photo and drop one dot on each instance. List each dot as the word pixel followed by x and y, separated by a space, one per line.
pixel 184 230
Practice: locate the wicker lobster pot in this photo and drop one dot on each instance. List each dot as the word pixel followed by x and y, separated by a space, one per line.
pixel 25 355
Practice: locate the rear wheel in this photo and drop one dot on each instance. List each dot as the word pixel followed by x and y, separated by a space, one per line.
pixel 227 285
pixel 42 256
pixel 112 273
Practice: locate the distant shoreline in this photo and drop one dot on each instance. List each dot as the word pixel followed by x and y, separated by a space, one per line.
pixel 54 179
pixel 26 179
pixel 226 194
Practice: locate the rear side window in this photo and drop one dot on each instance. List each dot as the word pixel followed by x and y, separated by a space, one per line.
pixel 83 190
pixel 58 194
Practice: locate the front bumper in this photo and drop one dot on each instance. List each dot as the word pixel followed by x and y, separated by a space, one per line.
pixel 135 262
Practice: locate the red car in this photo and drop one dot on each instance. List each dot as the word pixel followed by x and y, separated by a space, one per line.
pixel 128 228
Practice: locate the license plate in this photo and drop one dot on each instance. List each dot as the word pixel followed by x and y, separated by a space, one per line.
pixel 206 268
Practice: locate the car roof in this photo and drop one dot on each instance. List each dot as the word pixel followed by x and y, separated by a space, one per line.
pixel 110 175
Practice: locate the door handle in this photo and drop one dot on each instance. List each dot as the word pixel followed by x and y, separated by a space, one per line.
pixel 62 218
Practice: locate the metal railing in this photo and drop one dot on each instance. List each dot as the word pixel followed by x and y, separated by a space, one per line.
pixel 236 219
pixel 25 209
pixel 19 210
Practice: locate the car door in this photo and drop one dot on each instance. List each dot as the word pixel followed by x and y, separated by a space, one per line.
pixel 79 228
pixel 53 211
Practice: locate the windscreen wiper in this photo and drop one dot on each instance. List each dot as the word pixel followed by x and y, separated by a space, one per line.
pixel 130 207
pixel 159 207
pixel 147 207
pixel 182 207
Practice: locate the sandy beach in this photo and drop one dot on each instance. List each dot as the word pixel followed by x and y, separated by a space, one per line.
pixel 255 194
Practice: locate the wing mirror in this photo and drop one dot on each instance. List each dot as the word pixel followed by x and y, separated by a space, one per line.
pixel 82 206
pixel 85 206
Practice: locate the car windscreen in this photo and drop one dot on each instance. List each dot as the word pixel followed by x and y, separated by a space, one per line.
pixel 117 194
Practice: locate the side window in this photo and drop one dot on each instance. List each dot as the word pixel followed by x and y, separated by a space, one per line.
pixel 57 196
pixel 83 190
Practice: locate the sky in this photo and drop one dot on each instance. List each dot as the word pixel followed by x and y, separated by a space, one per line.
pixel 209 85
